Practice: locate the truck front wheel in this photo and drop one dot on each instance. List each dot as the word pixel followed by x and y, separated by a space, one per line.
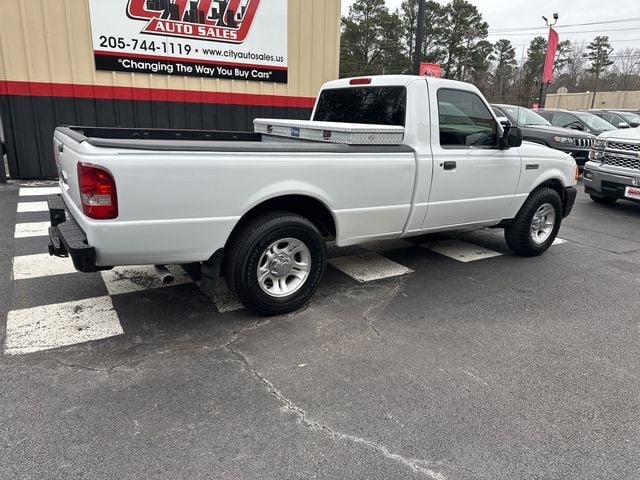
pixel 536 226
pixel 275 263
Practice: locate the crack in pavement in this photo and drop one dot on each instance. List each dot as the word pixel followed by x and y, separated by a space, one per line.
pixel 417 465
pixel 596 247
pixel 381 304
pixel 141 358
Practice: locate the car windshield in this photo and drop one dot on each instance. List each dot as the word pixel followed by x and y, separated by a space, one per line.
pixel 594 122
pixel 629 117
pixel 523 116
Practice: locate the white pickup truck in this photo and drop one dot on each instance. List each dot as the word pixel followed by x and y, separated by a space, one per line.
pixel 257 210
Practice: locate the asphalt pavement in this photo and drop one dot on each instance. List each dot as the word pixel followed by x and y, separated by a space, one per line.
pixel 438 358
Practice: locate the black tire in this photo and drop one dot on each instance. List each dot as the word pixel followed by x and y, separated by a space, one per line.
pixel 603 200
pixel 247 249
pixel 519 233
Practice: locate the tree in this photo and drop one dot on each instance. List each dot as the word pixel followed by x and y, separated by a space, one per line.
pixel 477 68
pixel 599 51
pixel 572 68
pixel 505 56
pixel 627 69
pixel 431 48
pixel 563 56
pixel 464 28
pixel 371 38
pixel 536 54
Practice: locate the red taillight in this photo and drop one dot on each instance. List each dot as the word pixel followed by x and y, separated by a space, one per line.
pixel 97 192
pixel 360 81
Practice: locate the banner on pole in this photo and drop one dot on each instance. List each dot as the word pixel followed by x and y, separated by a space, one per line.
pixel 552 46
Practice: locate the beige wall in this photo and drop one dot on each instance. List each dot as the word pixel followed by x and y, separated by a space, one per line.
pixel 580 101
pixel 50 41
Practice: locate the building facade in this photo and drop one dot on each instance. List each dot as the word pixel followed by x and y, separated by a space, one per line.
pixel 604 100
pixel 204 65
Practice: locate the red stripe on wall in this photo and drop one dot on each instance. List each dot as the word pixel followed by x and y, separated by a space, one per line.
pixel 70 90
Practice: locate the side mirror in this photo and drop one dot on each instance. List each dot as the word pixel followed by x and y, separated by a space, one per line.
pixel 504 121
pixel 634 124
pixel 512 137
pixel 576 126
pixel 623 125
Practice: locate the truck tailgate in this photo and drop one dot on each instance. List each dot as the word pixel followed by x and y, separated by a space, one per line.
pixel 67 160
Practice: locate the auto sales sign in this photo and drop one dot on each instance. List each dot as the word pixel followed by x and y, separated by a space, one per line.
pixel 230 39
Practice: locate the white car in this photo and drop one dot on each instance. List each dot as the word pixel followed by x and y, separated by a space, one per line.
pixel 257 208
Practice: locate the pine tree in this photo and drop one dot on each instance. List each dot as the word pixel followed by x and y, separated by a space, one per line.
pixel 371 40
pixel 505 57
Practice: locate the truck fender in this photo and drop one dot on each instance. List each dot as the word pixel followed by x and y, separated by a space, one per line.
pixel 302 190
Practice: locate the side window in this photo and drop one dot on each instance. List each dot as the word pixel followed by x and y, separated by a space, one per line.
pixel 465 120
pixel 608 117
pixel 561 119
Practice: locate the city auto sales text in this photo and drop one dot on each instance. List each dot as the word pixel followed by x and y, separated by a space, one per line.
pixel 201 31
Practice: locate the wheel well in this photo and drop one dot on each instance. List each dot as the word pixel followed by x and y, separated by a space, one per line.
pixel 554 185
pixel 308 207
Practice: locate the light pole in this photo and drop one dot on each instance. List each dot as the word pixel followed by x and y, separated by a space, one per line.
pixel 417 54
pixel 542 84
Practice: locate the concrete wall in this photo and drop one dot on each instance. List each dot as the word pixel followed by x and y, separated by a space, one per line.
pixel 581 101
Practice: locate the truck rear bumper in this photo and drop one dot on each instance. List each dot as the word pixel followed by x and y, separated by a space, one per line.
pixel 67 239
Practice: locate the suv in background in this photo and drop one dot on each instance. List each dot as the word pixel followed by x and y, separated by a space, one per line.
pixel 613 169
pixel 537 129
pixel 618 119
pixel 584 121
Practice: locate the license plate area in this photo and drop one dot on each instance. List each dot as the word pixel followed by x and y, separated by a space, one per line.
pixel 632 192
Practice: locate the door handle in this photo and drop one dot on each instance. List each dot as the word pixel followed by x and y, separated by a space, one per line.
pixel 449 165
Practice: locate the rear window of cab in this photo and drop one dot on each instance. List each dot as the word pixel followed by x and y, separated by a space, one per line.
pixel 372 105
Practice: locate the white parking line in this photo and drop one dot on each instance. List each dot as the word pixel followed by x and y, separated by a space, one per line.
pixel 460 250
pixel 38 191
pixel 559 241
pixel 130 279
pixel 25 207
pixel 369 266
pixel 36 229
pixel 59 325
pixel 42 265
pixel 384 245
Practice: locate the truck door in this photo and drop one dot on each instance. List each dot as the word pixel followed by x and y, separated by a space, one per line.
pixel 473 180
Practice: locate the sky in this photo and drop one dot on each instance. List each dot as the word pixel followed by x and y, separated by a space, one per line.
pixel 521 14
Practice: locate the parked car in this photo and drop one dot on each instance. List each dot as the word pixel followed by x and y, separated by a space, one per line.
pixel 617 118
pixel 537 129
pixel 258 207
pixel 613 169
pixel 584 121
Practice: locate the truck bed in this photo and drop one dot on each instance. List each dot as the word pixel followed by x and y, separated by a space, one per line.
pixel 206 140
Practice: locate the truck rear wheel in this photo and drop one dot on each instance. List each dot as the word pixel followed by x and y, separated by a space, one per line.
pixel 275 263
pixel 536 226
